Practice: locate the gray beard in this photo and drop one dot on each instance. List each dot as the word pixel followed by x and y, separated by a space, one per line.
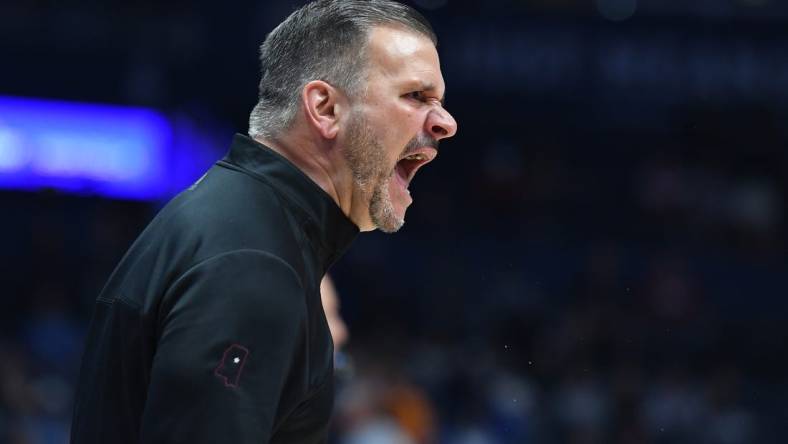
pixel 381 210
pixel 368 163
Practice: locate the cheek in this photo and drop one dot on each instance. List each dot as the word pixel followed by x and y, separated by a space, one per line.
pixel 399 126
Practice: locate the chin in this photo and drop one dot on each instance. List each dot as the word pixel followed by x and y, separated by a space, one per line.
pixel 386 216
pixel 388 222
pixel 392 228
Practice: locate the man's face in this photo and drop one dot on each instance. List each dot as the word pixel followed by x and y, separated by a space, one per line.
pixel 395 126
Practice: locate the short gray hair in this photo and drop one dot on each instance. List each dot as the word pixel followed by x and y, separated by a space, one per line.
pixel 324 40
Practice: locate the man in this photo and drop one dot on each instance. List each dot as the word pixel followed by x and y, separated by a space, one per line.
pixel 343 367
pixel 211 329
pixel 336 324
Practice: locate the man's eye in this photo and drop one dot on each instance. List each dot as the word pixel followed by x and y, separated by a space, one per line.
pixel 416 95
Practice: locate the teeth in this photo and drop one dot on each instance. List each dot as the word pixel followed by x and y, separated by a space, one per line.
pixel 415 157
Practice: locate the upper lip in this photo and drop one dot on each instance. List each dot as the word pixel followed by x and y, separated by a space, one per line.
pixel 425 154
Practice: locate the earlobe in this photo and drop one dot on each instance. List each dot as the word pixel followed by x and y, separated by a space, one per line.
pixel 320 105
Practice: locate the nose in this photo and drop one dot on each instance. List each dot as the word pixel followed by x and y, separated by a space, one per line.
pixel 440 124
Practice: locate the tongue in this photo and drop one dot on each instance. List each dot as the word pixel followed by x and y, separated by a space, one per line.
pixel 399 186
pixel 402 175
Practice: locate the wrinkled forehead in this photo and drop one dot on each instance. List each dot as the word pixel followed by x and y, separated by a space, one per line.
pixel 401 54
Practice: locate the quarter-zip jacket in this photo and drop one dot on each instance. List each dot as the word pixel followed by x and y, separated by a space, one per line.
pixel 211 330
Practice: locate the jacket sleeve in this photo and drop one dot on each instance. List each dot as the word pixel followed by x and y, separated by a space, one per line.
pixel 225 347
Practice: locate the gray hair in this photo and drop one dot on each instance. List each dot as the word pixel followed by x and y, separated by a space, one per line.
pixel 324 40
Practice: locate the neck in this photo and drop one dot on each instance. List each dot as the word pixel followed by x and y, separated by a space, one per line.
pixel 322 162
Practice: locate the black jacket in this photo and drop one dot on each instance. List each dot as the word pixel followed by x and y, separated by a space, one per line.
pixel 211 329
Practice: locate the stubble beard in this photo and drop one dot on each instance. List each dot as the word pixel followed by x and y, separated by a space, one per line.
pixel 372 174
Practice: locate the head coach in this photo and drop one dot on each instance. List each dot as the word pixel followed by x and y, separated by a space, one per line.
pixel 210 330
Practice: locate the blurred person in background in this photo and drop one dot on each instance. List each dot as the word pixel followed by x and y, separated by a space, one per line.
pixel 382 405
pixel 336 325
pixel 377 406
pixel 211 328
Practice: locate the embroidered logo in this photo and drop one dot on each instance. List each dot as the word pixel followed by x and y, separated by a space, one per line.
pixel 232 364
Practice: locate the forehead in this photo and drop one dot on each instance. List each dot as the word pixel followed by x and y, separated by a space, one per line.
pixel 404 56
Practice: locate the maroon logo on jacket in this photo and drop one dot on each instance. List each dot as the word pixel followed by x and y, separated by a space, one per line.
pixel 232 364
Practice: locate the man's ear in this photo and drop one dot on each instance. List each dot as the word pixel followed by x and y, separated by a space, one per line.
pixel 322 104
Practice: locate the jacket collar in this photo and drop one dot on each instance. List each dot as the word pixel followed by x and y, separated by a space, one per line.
pixel 323 222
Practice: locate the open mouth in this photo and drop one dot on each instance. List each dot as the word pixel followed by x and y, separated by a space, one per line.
pixel 408 164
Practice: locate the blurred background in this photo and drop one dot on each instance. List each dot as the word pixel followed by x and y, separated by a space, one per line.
pixel 599 256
